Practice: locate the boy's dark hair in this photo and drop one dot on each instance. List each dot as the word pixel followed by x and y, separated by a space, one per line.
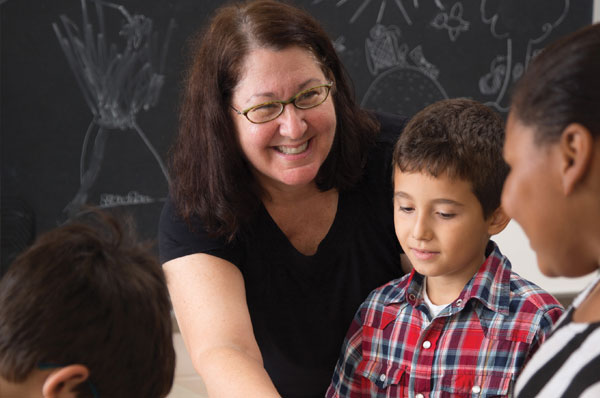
pixel 462 138
pixel 87 293
pixel 561 86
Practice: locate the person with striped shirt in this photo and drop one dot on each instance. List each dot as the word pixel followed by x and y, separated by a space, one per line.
pixel 462 323
pixel 553 191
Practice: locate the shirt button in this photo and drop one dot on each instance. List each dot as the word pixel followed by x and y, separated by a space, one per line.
pixel 412 297
pixel 419 396
pixel 382 377
pixel 458 302
pixel 476 389
pixel 426 344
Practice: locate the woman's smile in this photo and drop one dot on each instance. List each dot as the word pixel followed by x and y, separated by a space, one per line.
pixel 293 149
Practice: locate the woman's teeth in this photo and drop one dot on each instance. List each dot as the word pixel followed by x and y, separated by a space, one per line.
pixel 293 150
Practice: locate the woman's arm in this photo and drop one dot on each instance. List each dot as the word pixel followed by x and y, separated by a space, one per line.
pixel 209 300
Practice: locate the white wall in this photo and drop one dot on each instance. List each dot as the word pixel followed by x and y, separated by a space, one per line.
pixel 514 244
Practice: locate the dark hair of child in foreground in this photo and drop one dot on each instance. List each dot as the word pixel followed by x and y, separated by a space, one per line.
pixel 85 312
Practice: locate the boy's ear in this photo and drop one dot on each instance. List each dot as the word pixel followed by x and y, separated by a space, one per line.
pixel 576 147
pixel 497 221
pixel 62 381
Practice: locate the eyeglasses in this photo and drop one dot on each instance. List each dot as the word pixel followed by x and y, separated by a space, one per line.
pixel 271 110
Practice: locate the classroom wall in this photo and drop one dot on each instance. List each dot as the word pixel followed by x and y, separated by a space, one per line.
pixel 514 244
pixel 49 131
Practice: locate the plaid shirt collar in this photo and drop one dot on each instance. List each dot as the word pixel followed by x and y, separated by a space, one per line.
pixel 490 285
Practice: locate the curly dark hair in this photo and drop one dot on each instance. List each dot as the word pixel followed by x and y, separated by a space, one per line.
pixel 210 177
pixel 460 137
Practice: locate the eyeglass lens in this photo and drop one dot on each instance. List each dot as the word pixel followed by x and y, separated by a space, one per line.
pixel 304 100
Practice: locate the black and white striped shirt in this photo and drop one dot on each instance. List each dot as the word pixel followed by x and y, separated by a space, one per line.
pixel 567 365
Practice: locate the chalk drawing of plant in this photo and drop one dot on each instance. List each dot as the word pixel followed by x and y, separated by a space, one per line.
pixel 116 80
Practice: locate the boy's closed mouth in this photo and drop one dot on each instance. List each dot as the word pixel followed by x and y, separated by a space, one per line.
pixel 423 254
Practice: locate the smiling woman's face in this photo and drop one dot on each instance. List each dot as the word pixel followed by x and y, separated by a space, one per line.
pixel 289 150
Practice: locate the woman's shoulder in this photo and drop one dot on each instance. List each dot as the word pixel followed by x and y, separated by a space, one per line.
pixel 577 342
pixel 178 237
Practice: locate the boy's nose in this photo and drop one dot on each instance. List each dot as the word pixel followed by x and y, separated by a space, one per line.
pixel 421 230
pixel 292 123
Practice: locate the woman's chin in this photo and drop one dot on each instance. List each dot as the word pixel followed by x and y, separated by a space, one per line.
pixel 297 177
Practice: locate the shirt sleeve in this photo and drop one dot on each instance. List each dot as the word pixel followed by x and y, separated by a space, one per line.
pixel 345 381
pixel 547 322
pixel 177 239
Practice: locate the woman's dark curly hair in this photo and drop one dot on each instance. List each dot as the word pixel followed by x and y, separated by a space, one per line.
pixel 211 179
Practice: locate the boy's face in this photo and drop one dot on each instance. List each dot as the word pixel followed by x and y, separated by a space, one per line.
pixel 439 224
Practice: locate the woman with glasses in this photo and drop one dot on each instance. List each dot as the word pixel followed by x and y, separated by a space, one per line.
pixel 279 221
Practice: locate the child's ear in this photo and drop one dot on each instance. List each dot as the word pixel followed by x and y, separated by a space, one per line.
pixel 62 381
pixel 497 221
pixel 576 147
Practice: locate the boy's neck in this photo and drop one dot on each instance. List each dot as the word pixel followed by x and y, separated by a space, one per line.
pixel 442 290
pixel 29 388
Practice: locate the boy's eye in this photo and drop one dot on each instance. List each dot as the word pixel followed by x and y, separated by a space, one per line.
pixel 446 216
pixel 406 209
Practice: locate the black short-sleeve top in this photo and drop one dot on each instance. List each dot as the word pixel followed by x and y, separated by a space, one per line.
pixel 301 306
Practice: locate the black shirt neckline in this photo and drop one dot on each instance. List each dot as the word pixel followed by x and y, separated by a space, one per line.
pixel 324 244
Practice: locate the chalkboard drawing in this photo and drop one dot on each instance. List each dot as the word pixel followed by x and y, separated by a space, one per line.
pixel 382 48
pixel 131 198
pixel 405 89
pixel 382 7
pixel 491 83
pixel 339 45
pixel 452 22
pixel 416 55
pixel 509 19
pixel 116 83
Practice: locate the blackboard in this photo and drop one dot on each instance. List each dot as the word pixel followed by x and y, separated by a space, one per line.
pixel 71 135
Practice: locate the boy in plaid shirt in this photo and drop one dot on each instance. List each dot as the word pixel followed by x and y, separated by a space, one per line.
pixel 461 324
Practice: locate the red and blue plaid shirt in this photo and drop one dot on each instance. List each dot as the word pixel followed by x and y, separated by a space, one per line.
pixel 475 347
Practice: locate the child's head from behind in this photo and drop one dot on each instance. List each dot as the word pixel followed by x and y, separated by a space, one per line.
pixel 88 301
pixel 448 177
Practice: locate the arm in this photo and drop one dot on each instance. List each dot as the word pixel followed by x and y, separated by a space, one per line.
pixel 209 300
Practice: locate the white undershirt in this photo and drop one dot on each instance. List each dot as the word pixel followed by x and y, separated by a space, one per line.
pixel 434 309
